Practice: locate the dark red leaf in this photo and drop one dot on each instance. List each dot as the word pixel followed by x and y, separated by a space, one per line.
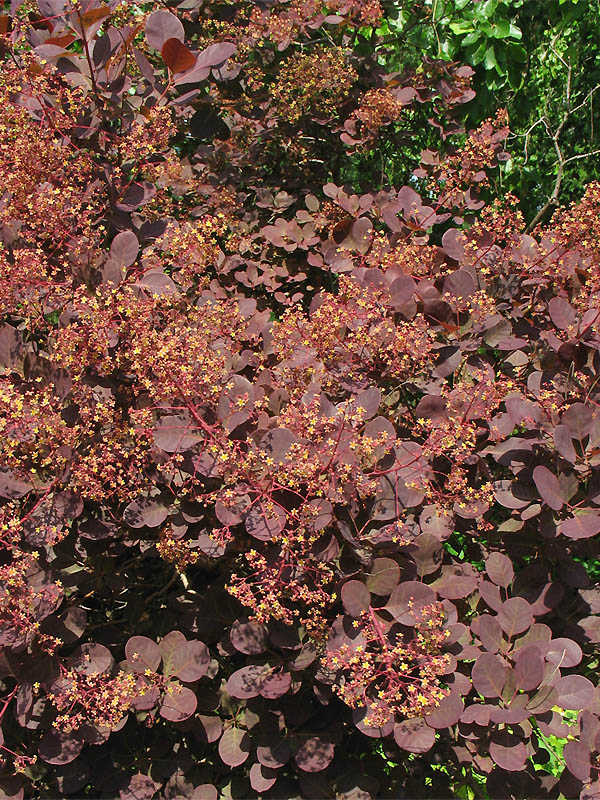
pixel 177 56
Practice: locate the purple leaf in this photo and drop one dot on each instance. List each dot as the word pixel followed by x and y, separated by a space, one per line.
pixel 489 632
pixel 548 486
pixel 515 616
pixel 262 778
pixel 563 653
pixel 529 669
pixel 208 729
pixel 178 703
pixel 168 645
pixel 139 787
pixel 176 433
pixel 457 581
pixel 561 313
pixel 408 599
pixel 216 54
pixel 581 526
pixel 508 751
pixel 162 25
pixel 314 755
pixel 578 761
pixel 92 659
pixel 355 597
pixel 248 637
pixel 414 735
pixel 499 569
pixel 277 442
pixel 276 685
pixel 543 700
pixel 265 523
pixel 574 692
pixel 489 675
pixel 190 661
pixel 275 755
pixel 248 681
pixel 578 419
pixel 563 441
pixel 142 653
pixel 447 713
pixel 384 576
pixel 59 748
pixel 234 747
pixel 144 512
pixel 125 248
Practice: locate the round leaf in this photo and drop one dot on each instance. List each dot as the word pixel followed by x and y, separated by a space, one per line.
pixel 190 661
pixel 355 597
pixel 548 486
pixel 499 569
pixel 314 755
pixel 384 576
pixel 162 25
pixel 515 616
pixel 234 747
pixel 489 675
pixel 408 599
pixel 414 735
pixel 574 692
pixel 178 704
pixel 142 653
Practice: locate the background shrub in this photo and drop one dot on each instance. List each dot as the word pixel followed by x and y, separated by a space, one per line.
pixel 299 465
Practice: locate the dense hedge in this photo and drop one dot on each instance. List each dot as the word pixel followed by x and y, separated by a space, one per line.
pixel 300 481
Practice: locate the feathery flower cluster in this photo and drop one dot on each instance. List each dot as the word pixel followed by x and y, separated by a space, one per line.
pixel 390 675
pixel 316 83
pixel 90 698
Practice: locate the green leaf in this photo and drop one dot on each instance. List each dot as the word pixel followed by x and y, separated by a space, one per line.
pixel 490 58
pixel 471 38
